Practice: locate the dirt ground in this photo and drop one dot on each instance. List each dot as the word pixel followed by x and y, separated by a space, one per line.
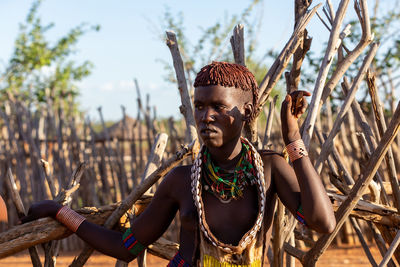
pixel 333 257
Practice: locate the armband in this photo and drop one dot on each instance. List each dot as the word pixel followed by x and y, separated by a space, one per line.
pixel 300 216
pixel 71 219
pixel 178 261
pixel 296 150
pixel 130 242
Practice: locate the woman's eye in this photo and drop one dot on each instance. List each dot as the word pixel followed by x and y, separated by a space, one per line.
pixel 219 107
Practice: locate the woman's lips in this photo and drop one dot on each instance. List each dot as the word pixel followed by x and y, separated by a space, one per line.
pixel 207 132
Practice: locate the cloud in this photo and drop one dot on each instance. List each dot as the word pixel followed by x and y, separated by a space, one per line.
pixel 108 86
pixel 117 86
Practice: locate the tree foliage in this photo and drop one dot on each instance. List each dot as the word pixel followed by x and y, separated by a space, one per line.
pixel 39 68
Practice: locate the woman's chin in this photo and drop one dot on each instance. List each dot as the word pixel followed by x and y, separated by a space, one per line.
pixel 211 142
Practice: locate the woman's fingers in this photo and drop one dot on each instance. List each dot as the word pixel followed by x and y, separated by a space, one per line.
pixel 300 103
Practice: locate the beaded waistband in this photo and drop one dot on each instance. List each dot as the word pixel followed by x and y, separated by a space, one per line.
pixel 209 261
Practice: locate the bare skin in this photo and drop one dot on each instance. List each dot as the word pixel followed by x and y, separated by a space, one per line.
pixel 220 114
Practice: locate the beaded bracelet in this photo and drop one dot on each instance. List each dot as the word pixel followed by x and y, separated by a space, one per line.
pixel 296 150
pixel 299 215
pixel 71 219
pixel 133 245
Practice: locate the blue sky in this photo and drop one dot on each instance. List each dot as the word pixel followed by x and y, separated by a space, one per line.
pixel 127 45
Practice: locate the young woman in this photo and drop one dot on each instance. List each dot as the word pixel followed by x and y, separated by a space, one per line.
pixel 226 198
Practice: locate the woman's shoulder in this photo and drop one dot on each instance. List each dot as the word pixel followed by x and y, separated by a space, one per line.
pixel 179 175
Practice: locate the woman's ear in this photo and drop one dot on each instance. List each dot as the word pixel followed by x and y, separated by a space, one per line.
pixel 248 111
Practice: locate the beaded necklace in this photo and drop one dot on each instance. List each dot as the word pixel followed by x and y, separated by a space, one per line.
pixel 196 173
pixel 227 184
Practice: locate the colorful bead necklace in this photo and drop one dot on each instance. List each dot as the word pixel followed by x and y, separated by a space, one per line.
pixel 196 176
pixel 227 184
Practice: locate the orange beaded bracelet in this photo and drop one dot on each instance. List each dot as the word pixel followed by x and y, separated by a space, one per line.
pixel 296 150
pixel 71 219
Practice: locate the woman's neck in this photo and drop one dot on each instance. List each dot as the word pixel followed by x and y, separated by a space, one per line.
pixel 228 156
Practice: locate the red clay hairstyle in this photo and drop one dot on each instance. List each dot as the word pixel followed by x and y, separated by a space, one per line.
pixel 228 75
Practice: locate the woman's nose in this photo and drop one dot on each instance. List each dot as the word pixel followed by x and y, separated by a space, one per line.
pixel 208 115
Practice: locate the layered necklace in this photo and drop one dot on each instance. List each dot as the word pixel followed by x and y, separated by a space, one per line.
pixel 228 184
pixel 231 188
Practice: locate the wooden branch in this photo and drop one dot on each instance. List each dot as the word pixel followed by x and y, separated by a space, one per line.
pixel 12 188
pixel 336 157
pixel 268 126
pixel 49 178
pixel 360 117
pixel 327 146
pixel 344 64
pixel 156 155
pixel 299 254
pixel 391 250
pixel 64 197
pixel 275 72
pixel 186 108
pixel 293 77
pixel 333 45
pixel 109 154
pixel 136 194
pixel 164 248
pixel 363 242
pixel 279 65
pixel 237 43
pixel 278 241
pixel 358 189
pixel 380 119
pixel 153 163
pixel 365 205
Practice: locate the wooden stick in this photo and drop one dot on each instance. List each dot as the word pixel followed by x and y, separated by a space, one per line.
pixel 153 162
pixel 357 190
pixel 333 45
pixel 391 250
pixel 268 126
pixel 326 148
pixel 380 119
pixel 277 245
pixel 49 177
pixel 156 155
pixel 12 188
pixel 109 154
pixel 237 43
pixel 276 70
pixel 343 65
pixel 186 108
pixel 364 244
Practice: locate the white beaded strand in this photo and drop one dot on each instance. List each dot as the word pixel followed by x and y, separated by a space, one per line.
pixel 196 191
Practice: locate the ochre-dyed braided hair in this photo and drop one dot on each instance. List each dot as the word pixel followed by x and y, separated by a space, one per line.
pixel 228 75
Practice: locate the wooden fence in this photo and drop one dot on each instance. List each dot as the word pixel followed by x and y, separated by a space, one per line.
pixel 355 148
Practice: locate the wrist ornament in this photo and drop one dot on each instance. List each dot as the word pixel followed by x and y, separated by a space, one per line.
pixel 296 150
pixel 71 219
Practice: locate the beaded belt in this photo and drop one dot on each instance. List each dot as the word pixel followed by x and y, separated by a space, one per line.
pixel 209 261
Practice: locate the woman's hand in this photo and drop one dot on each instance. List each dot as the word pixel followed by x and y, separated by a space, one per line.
pixel 45 208
pixel 294 105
